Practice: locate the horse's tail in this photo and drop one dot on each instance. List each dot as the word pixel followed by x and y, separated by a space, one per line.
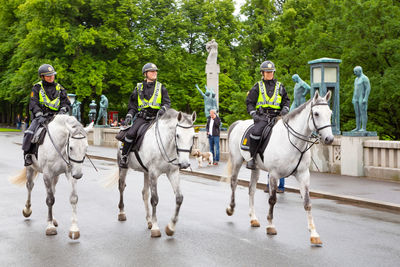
pixel 20 178
pixel 112 179
pixel 226 177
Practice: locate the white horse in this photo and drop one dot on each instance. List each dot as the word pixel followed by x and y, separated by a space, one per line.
pixel 286 154
pixel 63 151
pixel 165 149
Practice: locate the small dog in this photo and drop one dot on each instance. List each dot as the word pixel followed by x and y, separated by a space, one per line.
pixel 203 156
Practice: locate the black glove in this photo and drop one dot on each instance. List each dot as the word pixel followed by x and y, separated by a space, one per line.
pixel 161 111
pixel 40 118
pixel 128 119
pixel 63 110
pixel 256 117
pixel 284 111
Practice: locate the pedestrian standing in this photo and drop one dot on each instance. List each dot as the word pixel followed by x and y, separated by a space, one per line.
pixel 213 132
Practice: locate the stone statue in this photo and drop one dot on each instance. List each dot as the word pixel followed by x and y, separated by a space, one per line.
pixel 103 110
pixel 212 49
pixel 92 111
pixel 301 89
pixel 76 110
pixel 362 89
pixel 209 100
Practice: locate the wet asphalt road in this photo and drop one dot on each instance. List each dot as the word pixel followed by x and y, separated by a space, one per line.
pixel 205 235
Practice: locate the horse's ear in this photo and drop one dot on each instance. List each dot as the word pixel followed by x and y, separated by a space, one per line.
pixel 179 116
pixel 194 116
pixel 316 95
pixel 328 96
pixel 89 127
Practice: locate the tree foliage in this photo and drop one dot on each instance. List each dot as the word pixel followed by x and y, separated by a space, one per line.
pixel 99 47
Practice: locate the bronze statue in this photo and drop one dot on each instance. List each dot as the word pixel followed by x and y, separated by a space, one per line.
pixel 92 111
pixel 301 89
pixel 76 110
pixel 103 110
pixel 209 100
pixel 362 88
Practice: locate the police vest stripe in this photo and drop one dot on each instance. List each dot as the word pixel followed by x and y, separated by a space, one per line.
pixel 155 100
pixel 45 100
pixel 265 101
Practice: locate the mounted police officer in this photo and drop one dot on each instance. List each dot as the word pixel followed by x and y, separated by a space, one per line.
pixel 147 99
pixel 47 98
pixel 265 101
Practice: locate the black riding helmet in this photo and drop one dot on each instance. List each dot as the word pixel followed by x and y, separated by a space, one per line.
pixel 149 67
pixel 267 66
pixel 46 70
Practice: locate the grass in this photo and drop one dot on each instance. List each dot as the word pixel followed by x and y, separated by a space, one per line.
pixel 9 130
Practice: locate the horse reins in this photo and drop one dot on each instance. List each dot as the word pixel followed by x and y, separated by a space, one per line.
pixel 307 139
pixel 67 149
pixel 161 145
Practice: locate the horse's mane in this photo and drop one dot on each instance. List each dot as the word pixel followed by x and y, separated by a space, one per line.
pixel 300 108
pixel 63 119
pixel 172 114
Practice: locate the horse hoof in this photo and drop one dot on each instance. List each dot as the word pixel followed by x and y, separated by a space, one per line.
pixel 168 231
pixel 316 241
pixel 149 225
pixel 121 217
pixel 271 231
pixel 255 223
pixel 155 233
pixel 55 222
pixel 51 231
pixel 26 212
pixel 74 235
pixel 229 211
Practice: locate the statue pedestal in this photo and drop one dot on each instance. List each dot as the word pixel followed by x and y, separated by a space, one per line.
pixel 360 133
pixel 352 156
pixel 97 138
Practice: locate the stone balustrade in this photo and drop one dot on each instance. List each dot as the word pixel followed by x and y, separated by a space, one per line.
pixel 346 155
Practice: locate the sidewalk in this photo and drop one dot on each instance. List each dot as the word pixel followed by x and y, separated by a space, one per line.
pixel 355 190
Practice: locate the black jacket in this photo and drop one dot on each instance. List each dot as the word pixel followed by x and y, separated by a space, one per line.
pixel 252 97
pixel 216 126
pixel 51 92
pixel 148 90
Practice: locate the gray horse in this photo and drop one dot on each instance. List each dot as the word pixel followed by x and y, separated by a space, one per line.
pixel 287 154
pixel 61 152
pixel 165 149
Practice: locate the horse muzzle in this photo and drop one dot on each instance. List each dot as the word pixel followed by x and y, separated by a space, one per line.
pixel 77 176
pixel 184 165
pixel 328 140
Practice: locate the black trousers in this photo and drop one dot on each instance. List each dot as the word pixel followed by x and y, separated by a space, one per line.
pixel 131 135
pixel 28 135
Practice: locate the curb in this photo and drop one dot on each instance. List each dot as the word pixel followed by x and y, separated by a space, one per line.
pixel 363 202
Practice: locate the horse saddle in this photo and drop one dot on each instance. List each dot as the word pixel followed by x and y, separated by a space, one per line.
pixel 139 135
pixel 265 136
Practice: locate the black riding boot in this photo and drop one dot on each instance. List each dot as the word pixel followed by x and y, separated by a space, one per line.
pixel 28 159
pixel 123 163
pixel 251 164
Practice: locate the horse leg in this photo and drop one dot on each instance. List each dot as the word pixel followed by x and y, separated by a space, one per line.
pixel 272 200
pixel 73 199
pixel 234 180
pixel 305 194
pixel 145 195
pixel 174 180
pixel 51 228
pixel 155 230
pixel 121 187
pixel 55 181
pixel 30 175
pixel 255 174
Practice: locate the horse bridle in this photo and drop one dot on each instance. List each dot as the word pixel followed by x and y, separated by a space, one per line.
pixel 69 156
pixel 305 138
pixel 161 145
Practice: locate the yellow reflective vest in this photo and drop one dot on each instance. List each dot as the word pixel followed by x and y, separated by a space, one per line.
pixel 45 100
pixel 265 101
pixel 154 102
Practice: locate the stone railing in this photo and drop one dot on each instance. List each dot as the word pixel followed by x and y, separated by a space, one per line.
pixel 356 156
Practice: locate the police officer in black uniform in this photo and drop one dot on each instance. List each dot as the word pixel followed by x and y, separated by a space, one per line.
pixel 265 101
pixel 147 99
pixel 47 98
